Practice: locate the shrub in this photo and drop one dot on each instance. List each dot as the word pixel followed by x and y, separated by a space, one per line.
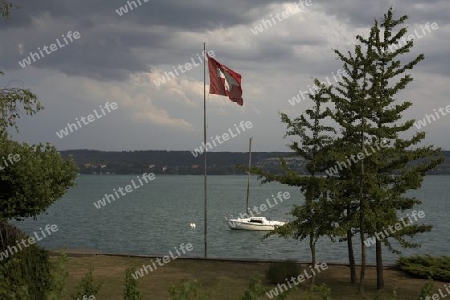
pixel 280 271
pixel 381 294
pixel 24 274
pixel 437 268
pixel 427 290
pixel 59 275
pixel 130 291
pixel 323 290
pixel 255 289
pixel 86 287
pixel 188 290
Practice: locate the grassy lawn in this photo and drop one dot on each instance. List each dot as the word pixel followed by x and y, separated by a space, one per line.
pixel 227 280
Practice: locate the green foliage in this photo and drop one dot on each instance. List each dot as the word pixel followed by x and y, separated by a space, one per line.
pixel 437 268
pixel 255 289
pixel 5 9
pixel 12 284
pixel 25 274
pixel 86 287
pixel 14 101
pixel 131 291
pixel 313 218
pixel 59 275
pixel 380 294
pixel 370 112
pixel 323 290
pixel 30 185
pixel 362 195
pixel 188 290
pixel 278 272
pixel 427 289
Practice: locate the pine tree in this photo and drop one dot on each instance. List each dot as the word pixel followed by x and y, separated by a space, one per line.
pixel 312 219
pixel 368 111
pixel 351 111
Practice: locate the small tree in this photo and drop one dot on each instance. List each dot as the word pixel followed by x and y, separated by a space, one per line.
pixel 131 291
pixel 312 219
pixel 59 276
pixel 86 287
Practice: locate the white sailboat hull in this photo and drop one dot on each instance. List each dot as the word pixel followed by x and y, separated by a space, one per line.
pixel 254 224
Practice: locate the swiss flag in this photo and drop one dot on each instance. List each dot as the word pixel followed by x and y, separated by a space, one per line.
pixel 224 81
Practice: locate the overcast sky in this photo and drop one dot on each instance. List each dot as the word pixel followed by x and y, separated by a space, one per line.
pixel 119 58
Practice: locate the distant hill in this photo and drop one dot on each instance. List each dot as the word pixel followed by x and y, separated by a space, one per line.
pixel 160 161
pixel 183 162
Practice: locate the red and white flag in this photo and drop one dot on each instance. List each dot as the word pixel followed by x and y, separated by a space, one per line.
pixel 224 81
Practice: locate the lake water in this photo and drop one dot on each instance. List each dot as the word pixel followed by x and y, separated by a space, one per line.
pixel 155 218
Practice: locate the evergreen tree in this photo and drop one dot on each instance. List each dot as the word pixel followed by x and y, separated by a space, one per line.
pixel 368 111
pixel 370 165
pixel 312 219
pixel 351 112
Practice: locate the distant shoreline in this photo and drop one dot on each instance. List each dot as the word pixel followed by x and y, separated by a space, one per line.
pixel 184 163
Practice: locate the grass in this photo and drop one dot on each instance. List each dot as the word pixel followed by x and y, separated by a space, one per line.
pixel 227 280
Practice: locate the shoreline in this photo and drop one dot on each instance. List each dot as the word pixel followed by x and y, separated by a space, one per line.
pixel 93 252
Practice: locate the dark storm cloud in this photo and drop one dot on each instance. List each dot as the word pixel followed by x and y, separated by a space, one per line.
pixel 107 48
pixel 113 51
pixel 363 13
pixel 104 51
pixel 190 15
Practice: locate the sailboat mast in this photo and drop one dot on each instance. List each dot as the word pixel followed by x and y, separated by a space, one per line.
pixel 204 143
pixel 248 178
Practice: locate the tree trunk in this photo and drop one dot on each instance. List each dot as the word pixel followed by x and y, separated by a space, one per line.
pixel 351 257
pixel 312 246
pixel 379 257
pixel 363 250
pixel 362 275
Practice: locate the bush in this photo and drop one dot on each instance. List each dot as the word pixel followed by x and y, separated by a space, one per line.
pixel 130 291
pixel 59 275
pixel 381 294
pixel 24 274
pixel 323 290
pixel 255 289
pixel 437 268
pixel 86 287
pixel 427 290
pixel 280 271
pixel 188 290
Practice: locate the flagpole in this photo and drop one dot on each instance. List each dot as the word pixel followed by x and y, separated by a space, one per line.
pixel 247 209
pixel 204 143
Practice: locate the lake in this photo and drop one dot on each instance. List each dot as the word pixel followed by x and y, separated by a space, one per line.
pixel 155 218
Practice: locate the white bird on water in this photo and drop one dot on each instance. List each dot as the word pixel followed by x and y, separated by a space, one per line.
pixel 192 225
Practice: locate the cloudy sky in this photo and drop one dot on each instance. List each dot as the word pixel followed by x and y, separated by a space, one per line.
pixel 118 58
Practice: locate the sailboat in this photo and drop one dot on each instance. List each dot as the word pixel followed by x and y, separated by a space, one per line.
pixel 252 223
